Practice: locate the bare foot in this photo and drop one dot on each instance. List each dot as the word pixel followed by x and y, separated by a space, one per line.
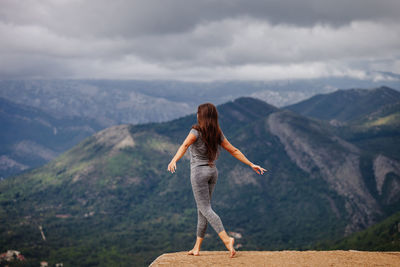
pixel 194 252
pixel 230 247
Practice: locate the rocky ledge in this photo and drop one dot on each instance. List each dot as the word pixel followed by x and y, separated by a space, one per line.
pixel 280 258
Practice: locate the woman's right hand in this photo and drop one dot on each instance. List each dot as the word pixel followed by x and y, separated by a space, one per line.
pixel 258 169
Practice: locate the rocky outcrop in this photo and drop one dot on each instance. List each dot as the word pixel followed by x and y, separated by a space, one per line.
pixel 382 167
pixel 7 163
pixel 115 138
pixel 324 155
pixel 280 258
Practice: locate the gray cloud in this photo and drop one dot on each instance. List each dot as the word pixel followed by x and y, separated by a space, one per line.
pixel 198 40
pixel 132 18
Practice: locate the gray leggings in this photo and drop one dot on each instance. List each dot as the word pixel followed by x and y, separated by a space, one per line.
pixel 203 179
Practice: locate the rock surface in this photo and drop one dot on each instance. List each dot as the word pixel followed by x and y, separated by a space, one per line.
pixel 322 154
pixel 281 258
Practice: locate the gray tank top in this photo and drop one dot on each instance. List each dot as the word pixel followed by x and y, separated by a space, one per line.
pixel 198 150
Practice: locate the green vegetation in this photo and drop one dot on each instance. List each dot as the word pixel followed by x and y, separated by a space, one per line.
pixel 390 119
pixel 383 236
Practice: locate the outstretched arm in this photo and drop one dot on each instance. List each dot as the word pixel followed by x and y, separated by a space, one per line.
pixel 239 155
pixel 181 151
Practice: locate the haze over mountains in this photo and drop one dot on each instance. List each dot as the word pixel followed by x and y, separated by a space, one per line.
pixel 110 199
pixel 55 105
pixel 133 101
pixel 30 137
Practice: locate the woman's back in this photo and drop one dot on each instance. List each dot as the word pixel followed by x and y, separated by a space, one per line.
pixel 198 150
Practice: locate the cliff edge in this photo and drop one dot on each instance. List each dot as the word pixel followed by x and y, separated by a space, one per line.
pixel 280 258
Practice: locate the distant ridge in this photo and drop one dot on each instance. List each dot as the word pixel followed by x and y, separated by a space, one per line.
pixel 30 136
pixel 346 105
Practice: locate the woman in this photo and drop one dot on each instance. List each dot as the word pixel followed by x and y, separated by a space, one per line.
pixel 204 139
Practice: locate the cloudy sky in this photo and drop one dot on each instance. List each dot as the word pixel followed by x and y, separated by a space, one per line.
pixel 198 40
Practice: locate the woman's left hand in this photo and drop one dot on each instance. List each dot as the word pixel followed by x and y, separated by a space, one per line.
pixel 258 169
pixel 172 166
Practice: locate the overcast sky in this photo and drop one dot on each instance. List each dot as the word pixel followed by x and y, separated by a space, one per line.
pixel 198 40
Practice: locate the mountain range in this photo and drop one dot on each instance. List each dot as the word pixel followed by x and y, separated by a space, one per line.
pixel 348 105
pixel 31 137
pixel 98 104
pixel 112 102
pixel 109 199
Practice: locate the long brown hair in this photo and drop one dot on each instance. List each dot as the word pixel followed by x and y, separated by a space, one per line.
pixel 208 126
